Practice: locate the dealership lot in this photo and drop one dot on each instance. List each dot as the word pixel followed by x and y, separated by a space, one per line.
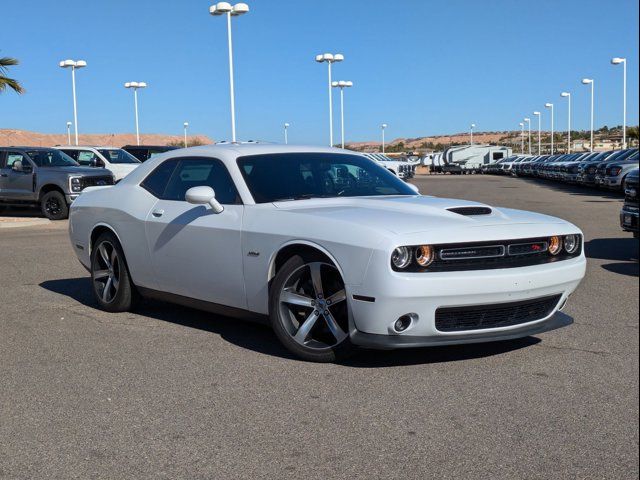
pixel 169 392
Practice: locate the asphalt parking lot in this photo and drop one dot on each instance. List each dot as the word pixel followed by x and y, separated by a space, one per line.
pixel 169 392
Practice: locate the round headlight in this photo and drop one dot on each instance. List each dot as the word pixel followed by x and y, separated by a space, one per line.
pixel 555 245
pixel 401 257
pixel 424 255
pixel 571 243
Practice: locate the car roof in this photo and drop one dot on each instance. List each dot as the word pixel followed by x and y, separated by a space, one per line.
pixel 101 147
pixel 22 147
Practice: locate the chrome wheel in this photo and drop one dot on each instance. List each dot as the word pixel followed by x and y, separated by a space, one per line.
pixel 313 307
pixel 105 272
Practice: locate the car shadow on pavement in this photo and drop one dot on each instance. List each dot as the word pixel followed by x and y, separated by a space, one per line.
pixel 23 212
pixel 624 251
pixel 260 338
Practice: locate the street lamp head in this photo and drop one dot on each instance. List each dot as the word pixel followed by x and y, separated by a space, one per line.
pixel 587 81
pixel 384 125
pixel 327 57
pixel 536 113
pixel 473 125
pixel 548 105
pixel 565 94
pixel 348 83
pixel 69 124
pixel 81 64
pixel 338 57
pixel 239 9
pixel 67 64
pixel 220 8
pixel 142 85
pixel 185 124
pixel 320 58
pixel 287 125
pixel 618 60
pixel 521 124
pixel 527 119
pixel 335 84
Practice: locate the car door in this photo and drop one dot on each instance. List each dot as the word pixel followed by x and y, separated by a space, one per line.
pixel 13 184
pixel 195 252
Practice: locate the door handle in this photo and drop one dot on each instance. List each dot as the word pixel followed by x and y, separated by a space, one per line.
pixel 157 213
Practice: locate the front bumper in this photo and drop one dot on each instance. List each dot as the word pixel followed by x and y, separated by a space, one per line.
pixel 383 342
pixel 420 295
pixel 70 198
pixel 629 220
pixel 611 182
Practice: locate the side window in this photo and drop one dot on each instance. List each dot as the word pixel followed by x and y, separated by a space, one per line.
pixel 195 172
pixel 72 153
pixel 13 157
pixel 2 158
pixel 156 181
pixel 85 157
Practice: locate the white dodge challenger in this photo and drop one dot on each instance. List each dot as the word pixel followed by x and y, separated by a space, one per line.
pixel 332 249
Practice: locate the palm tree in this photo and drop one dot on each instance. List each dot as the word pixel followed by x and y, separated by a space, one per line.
pixel 5 82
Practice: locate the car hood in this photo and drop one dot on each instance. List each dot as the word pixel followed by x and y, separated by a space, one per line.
pixel 85 171
pixel 405 215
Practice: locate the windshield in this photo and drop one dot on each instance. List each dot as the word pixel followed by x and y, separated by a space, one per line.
pixel 297 176
pixel 117 155
pixel 51 158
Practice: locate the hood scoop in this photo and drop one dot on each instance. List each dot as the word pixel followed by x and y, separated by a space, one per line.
pixel 470 211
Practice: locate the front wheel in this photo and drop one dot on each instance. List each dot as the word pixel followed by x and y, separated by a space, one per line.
pixel 54 206
pixel 309 311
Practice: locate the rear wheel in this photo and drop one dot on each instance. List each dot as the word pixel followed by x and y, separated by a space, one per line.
pixel 112 286
pixel 54 206
pixel 309 311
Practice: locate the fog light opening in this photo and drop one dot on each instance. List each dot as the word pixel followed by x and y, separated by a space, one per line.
pixel 402 323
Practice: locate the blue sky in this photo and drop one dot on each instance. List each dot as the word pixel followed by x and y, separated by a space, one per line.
pixel 426 68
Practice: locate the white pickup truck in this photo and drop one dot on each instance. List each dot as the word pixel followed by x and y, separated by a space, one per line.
pixel 404 170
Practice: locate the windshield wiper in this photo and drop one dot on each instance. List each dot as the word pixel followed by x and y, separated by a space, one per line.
pixel 304 196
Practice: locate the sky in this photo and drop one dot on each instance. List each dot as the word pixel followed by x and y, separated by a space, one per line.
pixel 425 67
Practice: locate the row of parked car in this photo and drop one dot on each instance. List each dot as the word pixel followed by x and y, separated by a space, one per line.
pixel 401 168
pixel 613 170
pixel 52 178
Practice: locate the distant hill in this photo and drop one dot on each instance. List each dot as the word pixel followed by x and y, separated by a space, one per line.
pixel 23 137
pixel 438 142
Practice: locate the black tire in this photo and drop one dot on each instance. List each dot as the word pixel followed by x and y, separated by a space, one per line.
pixel 108 265
pixel 282 326
pixel 54 206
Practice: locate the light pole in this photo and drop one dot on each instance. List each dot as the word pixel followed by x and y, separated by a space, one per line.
pixel 528 121
pixel 550 106
pixel 286 133
pixel 589 81
pixel 623 61
pixel 522 137
pixel 568 97
pixel 222 8
pixel 68 133
pixel 473 125
pixel 383 127
pixel 136 86
pixel 330 58
pixel 539 115
pixel 73 64
pixel 342 84
pixel 185 125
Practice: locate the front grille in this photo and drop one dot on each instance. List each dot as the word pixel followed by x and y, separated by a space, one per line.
pixel 96 181
pixel 524 252
pixel 478 317
pixel 470 211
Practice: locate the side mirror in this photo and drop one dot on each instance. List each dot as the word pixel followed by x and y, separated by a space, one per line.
pixel 414 188
pixel 96 162
pixel 203 196
pixel 17 166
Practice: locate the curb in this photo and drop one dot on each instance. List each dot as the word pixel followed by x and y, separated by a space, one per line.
pixel 16 222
